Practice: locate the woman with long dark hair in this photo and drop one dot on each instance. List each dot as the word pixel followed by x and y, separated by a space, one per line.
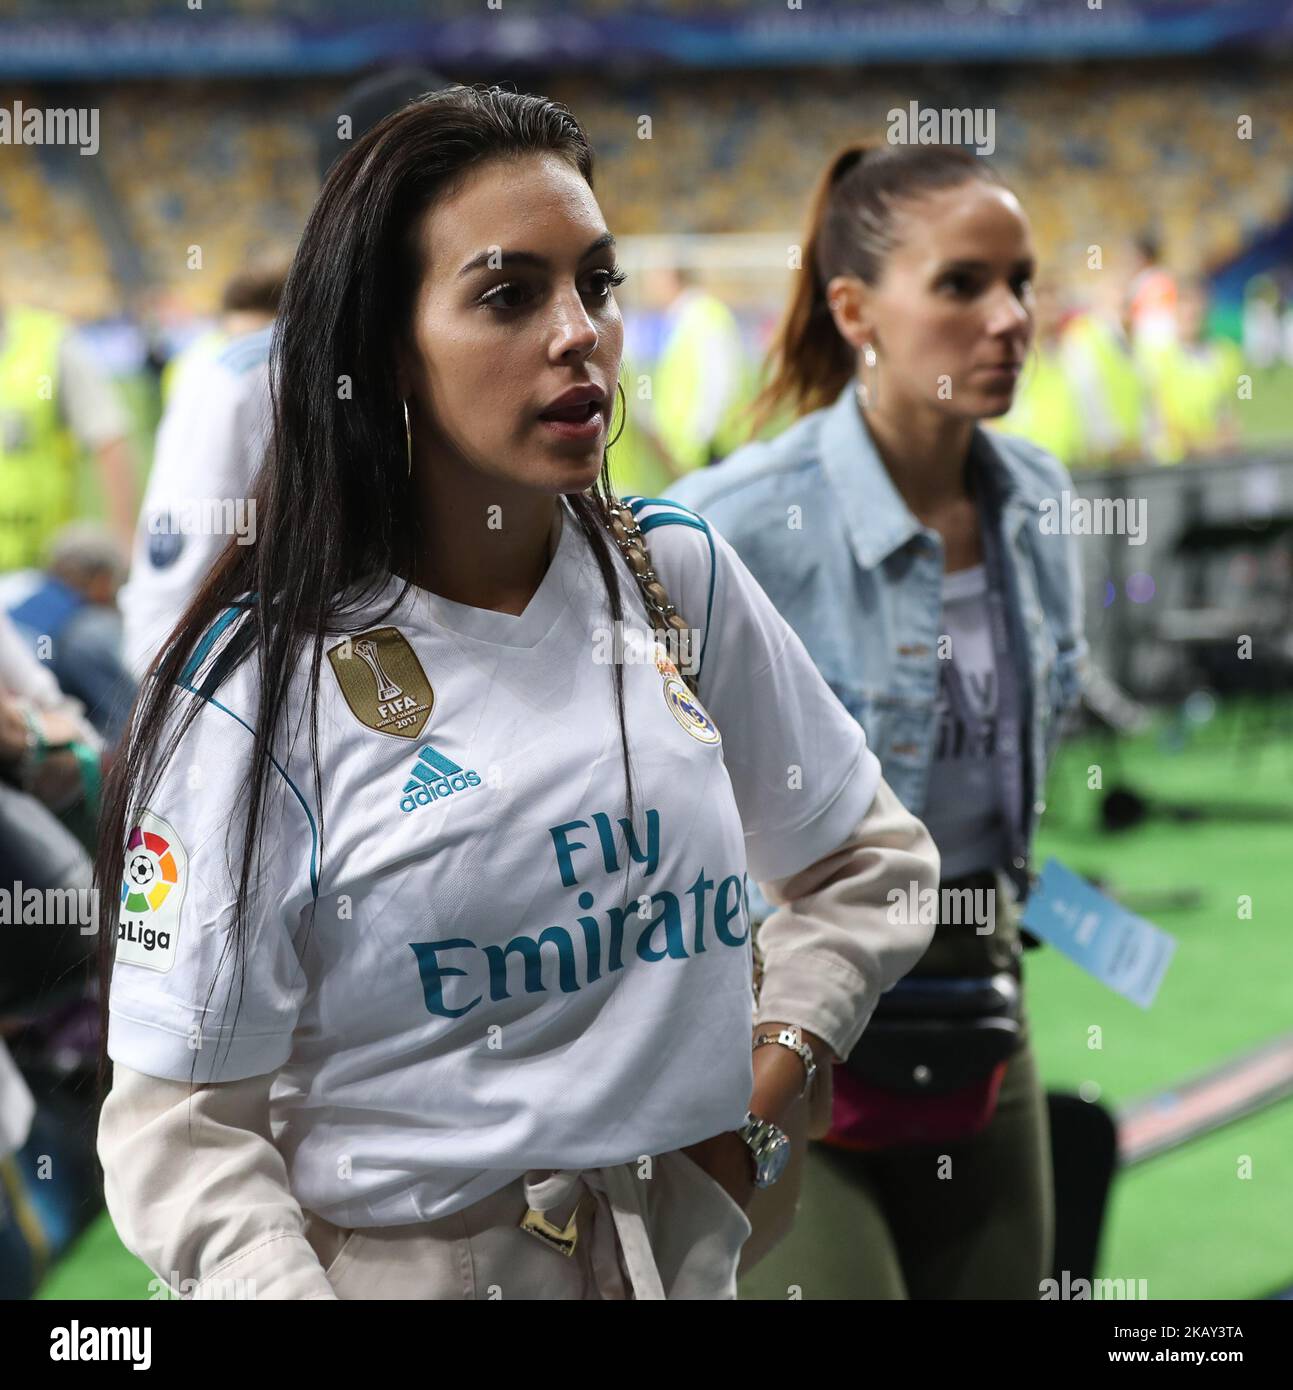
pixel 432 960
pixel 905 546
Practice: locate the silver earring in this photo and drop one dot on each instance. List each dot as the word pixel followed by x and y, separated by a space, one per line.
pixel 408 436
pixel 864 396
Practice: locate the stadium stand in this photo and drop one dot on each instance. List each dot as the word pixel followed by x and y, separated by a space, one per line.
pixel 51 246
pixel 231 166
pixel 209 153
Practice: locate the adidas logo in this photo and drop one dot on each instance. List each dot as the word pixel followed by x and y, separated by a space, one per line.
pixel 434 776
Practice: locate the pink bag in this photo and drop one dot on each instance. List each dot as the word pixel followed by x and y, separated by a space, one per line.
pixel 866 1116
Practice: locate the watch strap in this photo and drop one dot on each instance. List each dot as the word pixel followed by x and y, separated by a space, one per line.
pixel 761 1138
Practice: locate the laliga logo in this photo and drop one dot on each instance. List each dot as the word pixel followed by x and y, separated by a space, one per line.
pixel 149 875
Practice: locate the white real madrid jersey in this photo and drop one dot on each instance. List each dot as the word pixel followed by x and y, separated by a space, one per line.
pixel 465 961
pixel 209 446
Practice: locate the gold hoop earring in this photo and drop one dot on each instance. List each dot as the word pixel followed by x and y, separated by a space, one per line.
pixel 624 414
pixel 865 396
pixel 408 436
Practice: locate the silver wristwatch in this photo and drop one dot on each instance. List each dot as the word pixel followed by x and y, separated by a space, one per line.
pixel 770 1147
pixel 791 1037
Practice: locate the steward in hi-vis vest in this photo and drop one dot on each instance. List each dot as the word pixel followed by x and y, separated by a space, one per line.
pixel 51 396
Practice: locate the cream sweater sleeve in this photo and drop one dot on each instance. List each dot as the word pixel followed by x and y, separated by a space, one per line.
pixel 837 940
pixel 197 1189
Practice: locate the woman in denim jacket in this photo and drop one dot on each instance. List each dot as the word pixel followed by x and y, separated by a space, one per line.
pixel 905 546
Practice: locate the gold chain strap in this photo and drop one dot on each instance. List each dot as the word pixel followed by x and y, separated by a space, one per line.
pixel 665 618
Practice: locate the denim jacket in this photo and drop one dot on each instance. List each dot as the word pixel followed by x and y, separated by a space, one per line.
pixel 818 522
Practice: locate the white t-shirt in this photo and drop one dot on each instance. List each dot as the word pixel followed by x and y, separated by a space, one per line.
pixel 963 808
pixel 473 1001
pixel 209 446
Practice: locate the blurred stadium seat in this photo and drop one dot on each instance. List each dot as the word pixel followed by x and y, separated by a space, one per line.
pixel 230 166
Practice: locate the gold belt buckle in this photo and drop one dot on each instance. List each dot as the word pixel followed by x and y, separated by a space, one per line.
pixel 562 1241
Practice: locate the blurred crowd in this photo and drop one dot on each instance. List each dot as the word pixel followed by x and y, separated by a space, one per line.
pixel 190 181
pixel 1129 372
pixel 1132 375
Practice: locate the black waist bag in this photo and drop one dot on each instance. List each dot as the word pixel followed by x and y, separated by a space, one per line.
pixel 931 1035
pixel 959 1013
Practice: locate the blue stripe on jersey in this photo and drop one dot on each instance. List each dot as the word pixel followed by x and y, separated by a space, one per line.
pixel 683 516
pixel 208 641
pixel 314 833
pixel 648 523
pixel 185 679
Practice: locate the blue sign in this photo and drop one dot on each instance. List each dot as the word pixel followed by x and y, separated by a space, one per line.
pixel 165 40
pixel 1121 950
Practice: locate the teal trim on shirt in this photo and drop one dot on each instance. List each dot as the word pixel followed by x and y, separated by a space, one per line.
pixel 208 641
pixel 186 676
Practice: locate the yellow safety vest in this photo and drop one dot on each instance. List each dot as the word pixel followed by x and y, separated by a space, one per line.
pixel 635 468
pixel 1046 410
pixel 681 375
pixel 1193 386
pixel 1122 384
pixel 37 451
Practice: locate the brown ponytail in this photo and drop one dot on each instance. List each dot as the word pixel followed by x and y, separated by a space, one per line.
pixel 849 232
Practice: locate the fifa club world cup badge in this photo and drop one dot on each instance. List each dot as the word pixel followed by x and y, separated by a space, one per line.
pixel 383 682
pixel 683 705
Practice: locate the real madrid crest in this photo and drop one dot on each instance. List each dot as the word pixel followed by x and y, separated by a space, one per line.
pixel 383 682
pixel 685 707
